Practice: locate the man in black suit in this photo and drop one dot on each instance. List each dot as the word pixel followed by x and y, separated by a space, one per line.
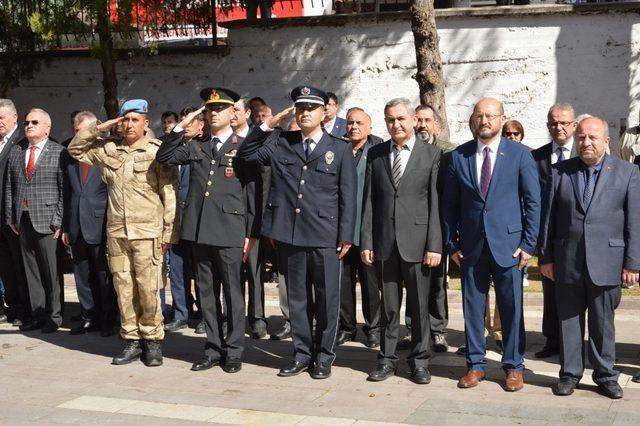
pixel 220 219
pixel 590 244
pixel 311 215
pixel 562 125
pixel 16 296
pixel 401 233
pixel 84 231
pixel 34 208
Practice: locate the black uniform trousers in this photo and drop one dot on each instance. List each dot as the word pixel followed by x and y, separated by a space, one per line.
pixel 93 282
pixel 252 274
pixel 573 300
pixel 217 266
pixel 16 294
pixel 41 270
pixel 550 321
pixel 393 272
pixel 312 275
pixel 352 266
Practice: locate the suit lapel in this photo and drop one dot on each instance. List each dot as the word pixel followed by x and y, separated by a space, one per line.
pixel 41 157
pixel 605 172
pixel 501 157
pixel 298 148
pixel 473 172
pixel 325 145
pixel 576 186
pixel 204 146
pixel 412 161
pixel 387 161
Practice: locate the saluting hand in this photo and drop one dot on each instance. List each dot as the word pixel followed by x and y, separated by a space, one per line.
pixel 279 118
pixel 109 124
pixel 343 248
pixel 190 117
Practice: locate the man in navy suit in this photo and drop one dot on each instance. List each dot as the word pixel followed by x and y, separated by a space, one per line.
pixel 491 212
pixel 84 231
pixel 589 245
pixel 310 214
pixel 334 125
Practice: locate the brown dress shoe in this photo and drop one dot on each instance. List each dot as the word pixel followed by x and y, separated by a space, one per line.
pixel 514 381
pixel 471 379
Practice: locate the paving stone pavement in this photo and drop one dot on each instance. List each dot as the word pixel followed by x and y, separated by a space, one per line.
pixel 63 379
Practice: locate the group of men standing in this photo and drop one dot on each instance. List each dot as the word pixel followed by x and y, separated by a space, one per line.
pixel 335 208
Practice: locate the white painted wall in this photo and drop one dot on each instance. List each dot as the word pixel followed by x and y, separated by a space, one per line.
pixel 529 62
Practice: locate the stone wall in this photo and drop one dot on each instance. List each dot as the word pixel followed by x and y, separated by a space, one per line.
pixel 530 57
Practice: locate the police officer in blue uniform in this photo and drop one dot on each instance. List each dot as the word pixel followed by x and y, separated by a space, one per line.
pixel 221 221
pixel 310 214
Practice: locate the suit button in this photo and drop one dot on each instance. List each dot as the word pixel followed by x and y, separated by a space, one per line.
pixel 206 194
pixel 209 183
pixel 302 182
pixel 304 167
pixel 299 195
pixel 211 172
pixel 213 161
pixel 297 211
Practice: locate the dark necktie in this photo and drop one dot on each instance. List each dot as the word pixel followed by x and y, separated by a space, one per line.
pixel 214 146
pixel 485 174
pixel 396 169
pixel 307 147
pixel 561 154
pixel 589 186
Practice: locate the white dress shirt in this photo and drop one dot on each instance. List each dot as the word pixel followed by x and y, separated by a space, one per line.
pixel 329 125
pixel 37 152
pixel 404 153
pixel 222 138
pixel 493 155
pixel 315 138
pixel 244 132
pixel 567 148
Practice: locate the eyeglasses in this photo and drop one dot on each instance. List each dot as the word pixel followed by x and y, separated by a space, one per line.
pixel 27 122
pixel 512 133
pixel 559 123
pixel 489 117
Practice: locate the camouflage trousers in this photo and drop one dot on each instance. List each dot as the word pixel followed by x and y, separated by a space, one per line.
pixel 136 266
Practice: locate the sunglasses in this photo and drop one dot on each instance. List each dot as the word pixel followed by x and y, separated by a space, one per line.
pixel 512 133
pixel 27 122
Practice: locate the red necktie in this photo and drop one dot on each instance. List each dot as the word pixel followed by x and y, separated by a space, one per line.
pixel 84 172
pixel 32 161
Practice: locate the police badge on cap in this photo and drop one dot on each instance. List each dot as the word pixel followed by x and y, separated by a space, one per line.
pixel 309 96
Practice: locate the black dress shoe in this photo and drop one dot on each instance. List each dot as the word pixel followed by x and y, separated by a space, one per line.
pixel 499 347
pixel 201 328
pixel 611 389
pixel 232 365
pixel 50 328
pixel 293 369
pixel 405 343
pixel 131 352
pixel 175 325
pixel 3 318
pixel 258 331
pixel 565 386
pixel 373 339
pixel 205 363
pixel 84 327
pixel 636 377
pixel 31 325
pixel 462 350
pixel 345 336
pixel 17 322
pixel 152 353
pixel 383 372
pixel 547 351
pixel 421 376
pixel 440 343
pixel 283 333
pixel 321 370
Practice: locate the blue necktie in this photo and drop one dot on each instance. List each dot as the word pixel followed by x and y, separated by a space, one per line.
pixel 307 148
pixel 589 186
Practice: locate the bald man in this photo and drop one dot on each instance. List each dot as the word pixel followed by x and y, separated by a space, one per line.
pixel 491 229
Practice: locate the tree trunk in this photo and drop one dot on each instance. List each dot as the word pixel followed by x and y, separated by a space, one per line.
pixel 429 72
pixel 108 62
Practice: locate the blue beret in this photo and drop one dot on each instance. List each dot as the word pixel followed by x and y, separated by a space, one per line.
pixel 134 105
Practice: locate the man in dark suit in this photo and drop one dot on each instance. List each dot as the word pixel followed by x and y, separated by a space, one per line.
pixel 220 219
pixel 562 124
pixel 84 231
pixel 180 254
pixel 16 296
pixel 401 233
pixel 311 215
pixel 359 134
pixel 34 208
pixel 332 124
pixel 491 228
pixel 590 244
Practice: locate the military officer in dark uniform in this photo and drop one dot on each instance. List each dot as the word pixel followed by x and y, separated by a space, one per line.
pixel 310 214
pixel 220 219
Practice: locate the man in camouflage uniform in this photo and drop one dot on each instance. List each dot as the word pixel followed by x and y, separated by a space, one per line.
pixel 140 224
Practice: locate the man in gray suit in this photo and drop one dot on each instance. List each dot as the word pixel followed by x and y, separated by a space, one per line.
pixel 401 233
pixel 11 269
pixel 590 244
pixel 33 209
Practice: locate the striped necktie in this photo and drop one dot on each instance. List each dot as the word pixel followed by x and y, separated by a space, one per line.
pixel 396 169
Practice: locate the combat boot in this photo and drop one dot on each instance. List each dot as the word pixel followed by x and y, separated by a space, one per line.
pixel 131 352
pixel 152 356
